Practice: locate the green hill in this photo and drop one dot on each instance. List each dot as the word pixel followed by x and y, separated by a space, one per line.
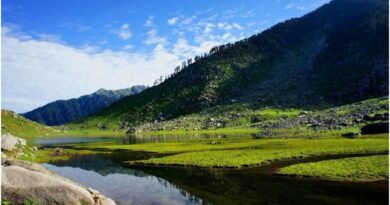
pixel 335 55
pixel 22 127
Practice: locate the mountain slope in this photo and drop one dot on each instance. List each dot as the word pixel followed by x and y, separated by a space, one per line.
pixel 335 55
pixel 63 111
pixel 22 127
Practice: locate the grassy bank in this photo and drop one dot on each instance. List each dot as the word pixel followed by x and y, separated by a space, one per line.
pixel 353 169
pixel 247 152
pixel 19 126
pixel 268 151
pixel 51 155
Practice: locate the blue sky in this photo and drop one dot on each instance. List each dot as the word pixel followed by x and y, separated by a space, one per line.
pixel 63 49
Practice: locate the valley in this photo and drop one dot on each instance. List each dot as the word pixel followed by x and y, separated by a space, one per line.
pixel 296 114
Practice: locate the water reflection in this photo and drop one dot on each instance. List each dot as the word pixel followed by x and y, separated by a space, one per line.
pixel 202 186
pixel 125 186
pixel 134 139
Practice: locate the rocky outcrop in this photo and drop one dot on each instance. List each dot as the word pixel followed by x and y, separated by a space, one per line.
pixel 23 181
pixel 10 142
pixel 375 128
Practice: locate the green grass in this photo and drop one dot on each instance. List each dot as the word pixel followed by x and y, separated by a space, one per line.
pixel 274 113
pixel 228 131
pixel 88 133
pixel 248 152
pixel 50 155
pixel 354 169
pixel 241 118
pixel 22 127
pixel 270 150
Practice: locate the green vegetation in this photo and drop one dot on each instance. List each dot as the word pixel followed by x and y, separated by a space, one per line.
pixel 354 169
pixel 298 64
pixel 28 202
pixel 241 153
pixel 52 155
pixel 22 127
pixel 63 111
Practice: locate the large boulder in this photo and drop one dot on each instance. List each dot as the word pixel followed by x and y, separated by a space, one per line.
pixel 375 128
pixel 10 142
pixel 23 181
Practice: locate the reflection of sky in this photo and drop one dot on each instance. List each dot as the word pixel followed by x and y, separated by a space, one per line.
pixel 125 189
pixel 132 139
pixel 69 140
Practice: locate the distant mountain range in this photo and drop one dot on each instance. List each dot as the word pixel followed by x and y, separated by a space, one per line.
pixel 335 55
pixel 63 111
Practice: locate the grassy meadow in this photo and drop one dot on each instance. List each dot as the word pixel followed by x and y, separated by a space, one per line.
pixel 352 169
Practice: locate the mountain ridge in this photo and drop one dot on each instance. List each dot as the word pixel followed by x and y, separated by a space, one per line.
pixel 62 111
pixel 324 58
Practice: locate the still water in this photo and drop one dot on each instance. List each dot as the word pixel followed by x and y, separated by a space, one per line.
pixel 125 186
pixel 171 186
pixel 131 139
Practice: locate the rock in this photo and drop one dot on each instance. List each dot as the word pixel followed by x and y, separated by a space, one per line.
pixel 57 150
pixel 20 184
pixel 35 148
pixel 131 130
pixel 375 128
pixel 304 113
pixel 27 165
pixel 10 142
pixel 23 181
pixel 376 117
pixel 255 119
pixel 3 157
pixel 351 134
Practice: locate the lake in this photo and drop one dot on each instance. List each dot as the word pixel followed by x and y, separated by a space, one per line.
pixel 132 139
pixel 171 186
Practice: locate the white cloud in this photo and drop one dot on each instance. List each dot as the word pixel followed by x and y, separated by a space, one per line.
pixel 35 72
pixel 173 21
pixel 237 26
pixel 208 28
pixel 124 32
pixel 76 26
pixel 49 37
pixel 228 26
pixel 38 71
pixel 188 20
pixel 153 38
pixel 295 6
pixel 149 22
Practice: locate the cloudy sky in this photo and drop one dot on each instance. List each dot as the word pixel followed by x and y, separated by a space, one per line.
pixel 64 49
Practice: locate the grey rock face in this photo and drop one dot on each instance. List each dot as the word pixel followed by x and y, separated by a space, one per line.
pixel 10 142
pixel 23 181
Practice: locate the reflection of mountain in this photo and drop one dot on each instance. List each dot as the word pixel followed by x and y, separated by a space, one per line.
pixel 99 164
pixel 200 186
pixel 104 166
pixel 231 187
